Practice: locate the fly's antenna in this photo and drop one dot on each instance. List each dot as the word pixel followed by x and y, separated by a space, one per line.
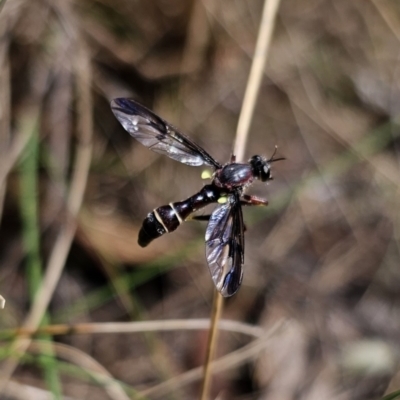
pixel 272 159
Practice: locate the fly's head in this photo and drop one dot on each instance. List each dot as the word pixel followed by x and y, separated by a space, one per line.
pixel 262 167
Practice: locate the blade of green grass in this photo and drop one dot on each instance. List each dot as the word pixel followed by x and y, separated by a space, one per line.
pixel 31 240
pixel 2 2
pixel 392 396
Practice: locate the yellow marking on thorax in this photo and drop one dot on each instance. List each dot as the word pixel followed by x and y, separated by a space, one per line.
pixel 206 174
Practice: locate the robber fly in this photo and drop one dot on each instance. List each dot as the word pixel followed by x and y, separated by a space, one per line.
pixel 225 230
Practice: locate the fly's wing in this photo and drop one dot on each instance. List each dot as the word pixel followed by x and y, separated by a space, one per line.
pixel 225 246
pixel 159 136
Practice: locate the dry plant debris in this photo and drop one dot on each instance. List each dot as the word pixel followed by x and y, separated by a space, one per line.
pixel 323 256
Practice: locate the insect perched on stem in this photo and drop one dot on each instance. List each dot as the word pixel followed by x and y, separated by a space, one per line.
pixel 225 230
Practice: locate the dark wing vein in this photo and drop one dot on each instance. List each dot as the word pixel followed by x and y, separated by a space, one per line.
pixel 159 136
pixel 225 246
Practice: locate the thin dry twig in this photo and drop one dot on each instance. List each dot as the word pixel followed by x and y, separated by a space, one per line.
pixel 5 100
pixel 387 16
pixel 212 341
pixel 256 74
pixel 19 391
pixel 138 326
pixel 253 86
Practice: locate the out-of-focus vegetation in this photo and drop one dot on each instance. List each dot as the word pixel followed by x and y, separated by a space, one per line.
pixel 324 256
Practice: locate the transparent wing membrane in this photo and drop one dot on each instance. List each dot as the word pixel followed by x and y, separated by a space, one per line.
pixel 159 136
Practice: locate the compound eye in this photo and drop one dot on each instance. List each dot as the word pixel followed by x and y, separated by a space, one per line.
pixel 256 160
pixel 265 173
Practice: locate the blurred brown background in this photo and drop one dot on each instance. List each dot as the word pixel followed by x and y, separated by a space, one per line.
pixel 324 256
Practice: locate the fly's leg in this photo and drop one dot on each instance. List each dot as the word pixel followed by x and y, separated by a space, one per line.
pixel 201 217
pixel 247 200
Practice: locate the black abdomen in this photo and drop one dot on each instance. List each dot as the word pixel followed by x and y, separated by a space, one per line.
pixel 167 218
pixel 150 230
pixel 162 220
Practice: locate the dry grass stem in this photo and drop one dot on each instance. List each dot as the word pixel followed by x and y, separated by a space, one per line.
pixel 260 57
pixel 139 326
pixel 253 85
pixel 216 313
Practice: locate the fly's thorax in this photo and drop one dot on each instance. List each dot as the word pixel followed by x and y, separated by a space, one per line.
pixel 234 175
